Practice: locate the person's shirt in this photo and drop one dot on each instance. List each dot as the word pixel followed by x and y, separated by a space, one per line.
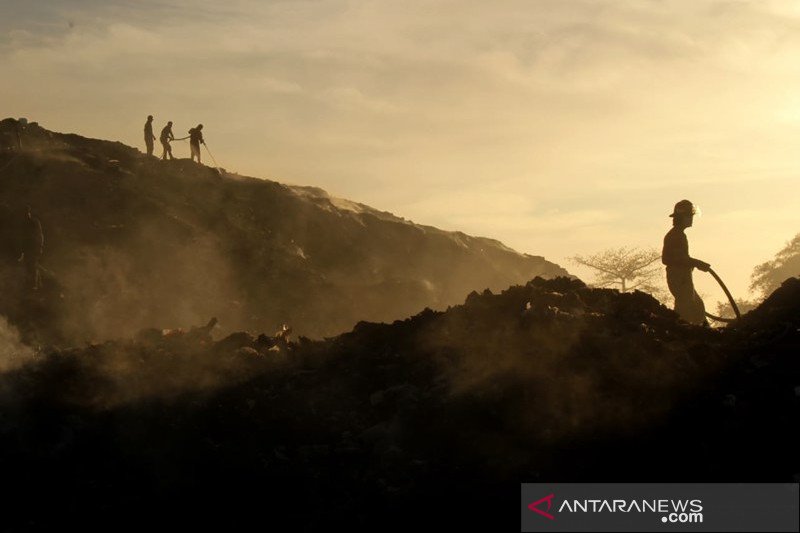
pixel 195 136
pixel 148 130
pixel 166 134
pixel 675 253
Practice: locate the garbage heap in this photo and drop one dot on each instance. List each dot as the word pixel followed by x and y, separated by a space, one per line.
pixel 441 415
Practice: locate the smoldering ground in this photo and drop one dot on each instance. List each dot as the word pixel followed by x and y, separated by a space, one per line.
pixel 445 407
pixel 113 262
pixel 550 379
pixel 552 360
pixel 134 242
pixel 559 360
pixel 115 293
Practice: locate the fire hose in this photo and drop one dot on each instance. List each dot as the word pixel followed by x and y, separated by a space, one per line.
pixel 730 299
pixel 207 150
pixel 212 156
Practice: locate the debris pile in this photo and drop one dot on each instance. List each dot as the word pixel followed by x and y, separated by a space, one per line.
pixel 444 413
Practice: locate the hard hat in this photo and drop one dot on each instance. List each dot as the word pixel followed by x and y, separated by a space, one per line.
pixel 685 208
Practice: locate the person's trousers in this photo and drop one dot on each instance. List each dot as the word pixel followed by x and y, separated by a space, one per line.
pixel 688 303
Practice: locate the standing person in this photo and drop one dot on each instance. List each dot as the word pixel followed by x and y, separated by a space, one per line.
pixel 148 135
pixel 195 140
pixel 675 256
pixel 165 138
pixel 19 130
pixel 32 248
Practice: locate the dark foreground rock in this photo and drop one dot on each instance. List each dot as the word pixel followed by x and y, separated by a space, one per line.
pixel 430 422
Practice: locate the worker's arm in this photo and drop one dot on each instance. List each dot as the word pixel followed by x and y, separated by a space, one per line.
pixel 676 253
pixel 701 265
pixel 675 260
pixel 672 259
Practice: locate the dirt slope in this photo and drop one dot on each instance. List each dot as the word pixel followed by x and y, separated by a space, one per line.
pixel 132 242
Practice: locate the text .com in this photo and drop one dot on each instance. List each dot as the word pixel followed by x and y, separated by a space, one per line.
pixel 683 518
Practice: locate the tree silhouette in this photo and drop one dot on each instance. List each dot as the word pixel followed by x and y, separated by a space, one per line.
pixel 725 310
pixel 628 268
pixel 768 276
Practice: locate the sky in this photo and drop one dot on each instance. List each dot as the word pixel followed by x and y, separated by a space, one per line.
pixel 559 127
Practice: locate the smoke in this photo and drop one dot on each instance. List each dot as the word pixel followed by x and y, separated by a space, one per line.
pixel 115 292
pixel 557 364
pixel 118 373
pixel 132 242
pixel 13 353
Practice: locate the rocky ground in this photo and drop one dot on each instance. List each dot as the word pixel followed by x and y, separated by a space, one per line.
pixel 427 422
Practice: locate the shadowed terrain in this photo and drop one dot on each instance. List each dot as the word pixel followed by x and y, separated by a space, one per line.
pixel 430 421
pixel 133 242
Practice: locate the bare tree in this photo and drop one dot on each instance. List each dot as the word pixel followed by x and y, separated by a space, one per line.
pixel 628 268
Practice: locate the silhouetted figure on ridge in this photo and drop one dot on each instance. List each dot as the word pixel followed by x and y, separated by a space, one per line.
pixel 19 130
pixel 148 135
pixel 166 137
pixel 195 139
pixel 675 256
pixel 32 248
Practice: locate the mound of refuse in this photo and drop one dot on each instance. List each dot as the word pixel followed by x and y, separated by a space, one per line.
pixel 432 420
pixel 131 242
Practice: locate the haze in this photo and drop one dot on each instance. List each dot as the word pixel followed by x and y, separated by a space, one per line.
pixel 559 127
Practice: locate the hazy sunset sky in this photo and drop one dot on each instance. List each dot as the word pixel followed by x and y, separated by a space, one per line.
pixel 556 126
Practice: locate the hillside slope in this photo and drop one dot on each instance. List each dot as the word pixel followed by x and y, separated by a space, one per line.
pixel 132 242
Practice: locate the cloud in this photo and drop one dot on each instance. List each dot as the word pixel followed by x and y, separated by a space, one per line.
pixel 351 99
pixel 449 112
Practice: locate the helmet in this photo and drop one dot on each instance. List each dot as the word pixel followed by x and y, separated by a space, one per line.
pixel 684 208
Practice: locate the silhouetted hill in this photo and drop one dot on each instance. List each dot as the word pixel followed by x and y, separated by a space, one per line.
pixel 132 242
pixel 427 423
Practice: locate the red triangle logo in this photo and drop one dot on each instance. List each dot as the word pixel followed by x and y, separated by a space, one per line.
pixel 535 507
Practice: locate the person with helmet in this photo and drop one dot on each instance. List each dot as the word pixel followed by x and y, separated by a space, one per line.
pixel 675 255
pixel 195 139
pixel 165 138
pixel 148 135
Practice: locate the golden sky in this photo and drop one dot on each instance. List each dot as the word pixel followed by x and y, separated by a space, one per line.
pixel 556 126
